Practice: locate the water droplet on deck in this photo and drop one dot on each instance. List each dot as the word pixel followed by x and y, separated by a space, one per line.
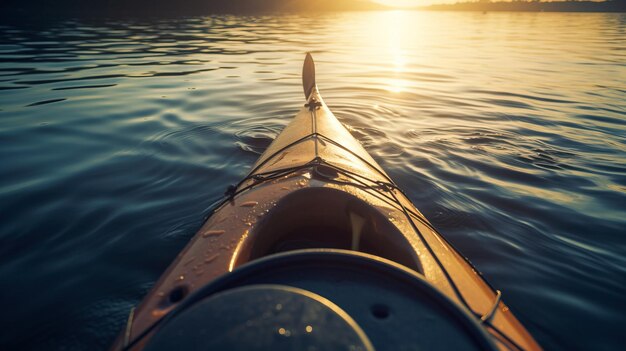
pixel 189 261
pixel 213 232
pixel 249 204
pixel 211 258
pixel 284 332
pixel 159 312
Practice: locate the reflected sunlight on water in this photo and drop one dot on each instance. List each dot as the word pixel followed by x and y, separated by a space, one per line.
pixel 506 129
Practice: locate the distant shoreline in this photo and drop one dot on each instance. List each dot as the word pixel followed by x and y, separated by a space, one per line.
pixel 531 6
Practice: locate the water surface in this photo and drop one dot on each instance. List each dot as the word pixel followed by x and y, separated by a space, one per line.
pixel 506 130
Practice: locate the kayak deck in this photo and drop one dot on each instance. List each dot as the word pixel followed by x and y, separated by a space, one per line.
pixel 316 187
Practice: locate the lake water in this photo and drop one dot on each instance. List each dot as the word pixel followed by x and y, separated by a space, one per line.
pixel 507 130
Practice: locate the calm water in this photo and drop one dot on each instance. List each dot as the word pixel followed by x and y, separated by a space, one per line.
pixel 507 130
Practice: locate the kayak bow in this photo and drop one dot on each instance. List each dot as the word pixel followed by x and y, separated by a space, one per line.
pixel 319 229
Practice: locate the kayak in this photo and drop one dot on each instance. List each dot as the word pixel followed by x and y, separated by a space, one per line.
pixel 317 248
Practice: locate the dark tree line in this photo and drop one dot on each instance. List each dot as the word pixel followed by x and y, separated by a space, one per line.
pixel 183 6
pixel 534 6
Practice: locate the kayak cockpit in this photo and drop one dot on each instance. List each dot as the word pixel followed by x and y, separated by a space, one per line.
pixel 322 217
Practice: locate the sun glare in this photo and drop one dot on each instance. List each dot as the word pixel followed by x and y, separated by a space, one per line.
pixel 395 24
pixel 399 3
